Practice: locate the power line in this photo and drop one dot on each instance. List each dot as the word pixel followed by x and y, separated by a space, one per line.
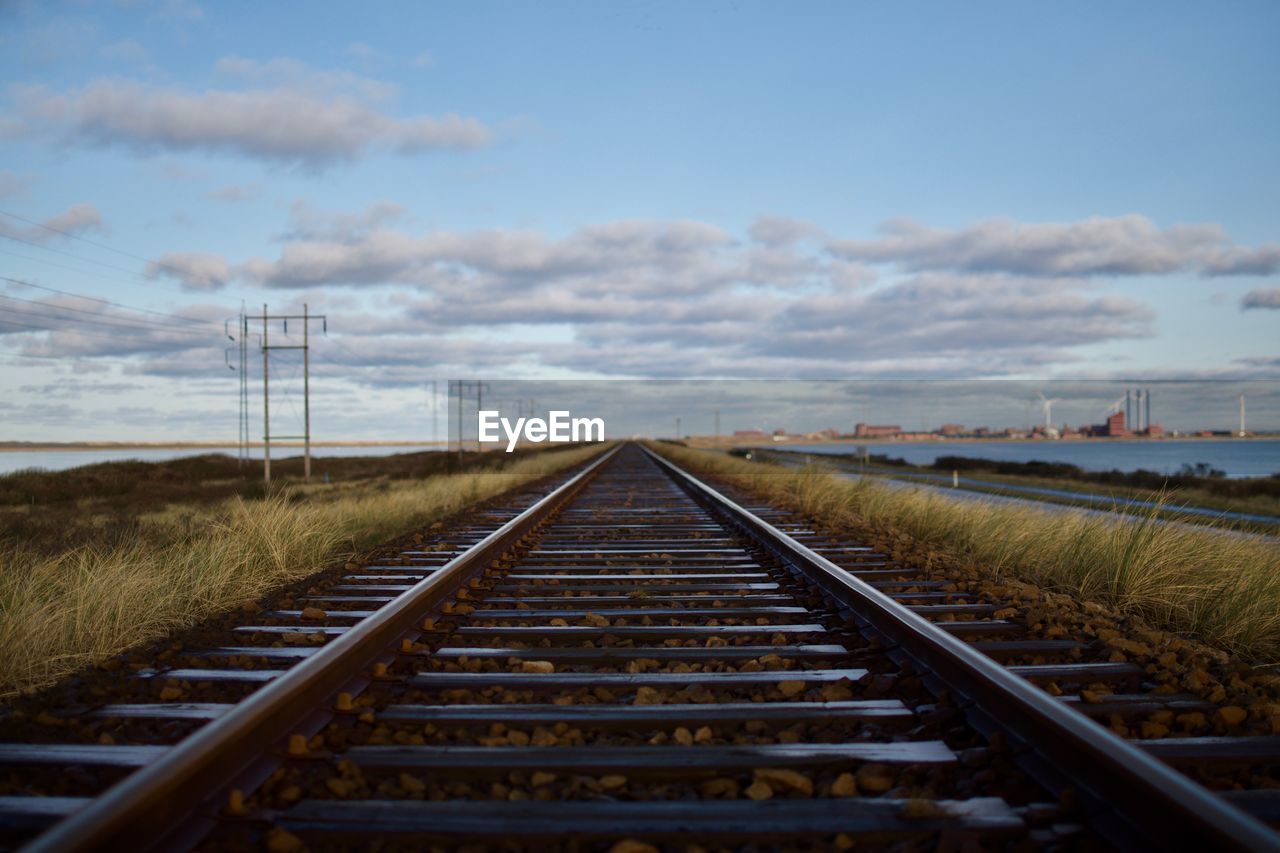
pixel 337 344
pixel 140 324
pixel 104 337
pixel 36 245
pixel 95 273
pixel 32 284
pixel 65 319
pixel 74 236
pixel 65 357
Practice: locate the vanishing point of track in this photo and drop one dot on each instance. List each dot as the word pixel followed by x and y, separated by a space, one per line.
pixel 634 656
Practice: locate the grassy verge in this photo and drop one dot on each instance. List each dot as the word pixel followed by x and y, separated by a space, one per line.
pixel 56 510
pixel 1210 584
pixel 1176 493
pixel 63 610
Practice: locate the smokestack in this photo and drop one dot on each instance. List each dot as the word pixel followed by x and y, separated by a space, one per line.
pixel 1146 417
pixel 1128 409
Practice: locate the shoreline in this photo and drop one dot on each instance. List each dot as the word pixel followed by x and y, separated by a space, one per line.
pixel 855 442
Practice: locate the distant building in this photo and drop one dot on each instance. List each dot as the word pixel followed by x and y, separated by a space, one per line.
pixel 1113 428
pixel 779 433
pixel 873 431
pixel 1155 431
pixel 951 429
pixel 748 433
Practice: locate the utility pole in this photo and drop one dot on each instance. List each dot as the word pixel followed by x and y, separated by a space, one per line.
pixel 435 414
pixel 306 317
pixel 306 395
pixel 241 368
pixel 464 385
pixel 244 386
pixel 266 403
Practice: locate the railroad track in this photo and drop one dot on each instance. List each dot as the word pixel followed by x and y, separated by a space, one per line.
pixel 632 656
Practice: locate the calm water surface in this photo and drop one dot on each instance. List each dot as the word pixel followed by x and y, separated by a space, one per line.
pixel 59 460
pixel 1256 457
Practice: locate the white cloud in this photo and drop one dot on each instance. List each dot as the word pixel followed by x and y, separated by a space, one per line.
pixel 652 298
pixel 281 125
pixel 1261 299
pixel 662 298
pixel 195 270
pixel 781 230
pixel 76 220
pixel 635 254
pixel 309 223
pixel 1125 245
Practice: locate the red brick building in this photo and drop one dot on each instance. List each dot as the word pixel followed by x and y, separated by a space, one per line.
pixel 873 431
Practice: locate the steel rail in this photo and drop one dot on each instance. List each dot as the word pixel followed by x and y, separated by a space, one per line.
pixel 1160 804
pixel 146 806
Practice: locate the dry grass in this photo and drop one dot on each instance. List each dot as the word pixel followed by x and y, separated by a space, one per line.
pixel 1211 584
pixel 60 612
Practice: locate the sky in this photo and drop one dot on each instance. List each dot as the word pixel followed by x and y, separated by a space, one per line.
pixel 664 190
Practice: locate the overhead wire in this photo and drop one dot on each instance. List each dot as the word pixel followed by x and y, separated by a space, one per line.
pixel 72 235
pixel 133 274
pixel 53 316
pixel 95 273
pixel 115 319
pixel 26 283
pixel 85 332
pixel 56 250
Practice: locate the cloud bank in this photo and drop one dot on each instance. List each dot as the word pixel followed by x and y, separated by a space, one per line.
pixel 1119 246
pixel 299 120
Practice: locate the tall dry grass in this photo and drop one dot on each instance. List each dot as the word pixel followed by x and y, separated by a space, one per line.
pixel 61 612
pixel 1212 584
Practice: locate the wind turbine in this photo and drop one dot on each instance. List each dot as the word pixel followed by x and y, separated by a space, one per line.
pixel 1046 405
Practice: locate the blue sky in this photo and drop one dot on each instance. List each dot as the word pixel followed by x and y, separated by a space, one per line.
pixel 669 190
